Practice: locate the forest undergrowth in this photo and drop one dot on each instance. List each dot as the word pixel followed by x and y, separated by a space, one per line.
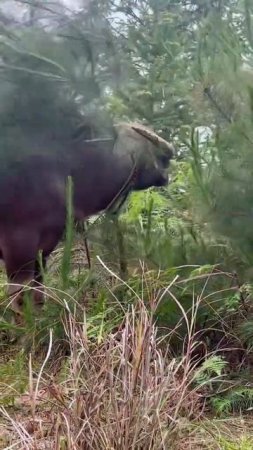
pixel 154 362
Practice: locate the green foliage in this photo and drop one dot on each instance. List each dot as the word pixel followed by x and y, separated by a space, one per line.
pixel 239 399
pixel 244 331
pixel 11 385
pixel 66 259
pixel 222 169
pixel 153 86
pixel 244 444
pixel 210 369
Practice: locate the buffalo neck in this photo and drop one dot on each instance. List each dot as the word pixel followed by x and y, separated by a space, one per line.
pixel 98 176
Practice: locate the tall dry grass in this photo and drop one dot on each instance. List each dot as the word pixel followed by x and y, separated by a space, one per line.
pixel 124 393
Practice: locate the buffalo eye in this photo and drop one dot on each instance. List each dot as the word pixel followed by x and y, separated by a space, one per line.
pixel 164 160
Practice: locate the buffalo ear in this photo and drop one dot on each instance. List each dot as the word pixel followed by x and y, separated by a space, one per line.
pixel 127 141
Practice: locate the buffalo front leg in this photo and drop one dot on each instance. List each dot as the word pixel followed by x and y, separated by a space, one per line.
pixel 20 253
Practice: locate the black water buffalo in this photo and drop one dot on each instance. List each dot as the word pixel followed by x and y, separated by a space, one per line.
pixel 33 192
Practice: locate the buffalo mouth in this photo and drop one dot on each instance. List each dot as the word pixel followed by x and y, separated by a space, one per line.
pixel 162 181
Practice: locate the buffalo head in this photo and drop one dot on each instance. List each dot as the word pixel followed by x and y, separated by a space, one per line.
pixel 149 152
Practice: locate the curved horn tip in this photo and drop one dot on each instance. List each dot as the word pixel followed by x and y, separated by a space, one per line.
pixel 170 148
pixel 146 132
